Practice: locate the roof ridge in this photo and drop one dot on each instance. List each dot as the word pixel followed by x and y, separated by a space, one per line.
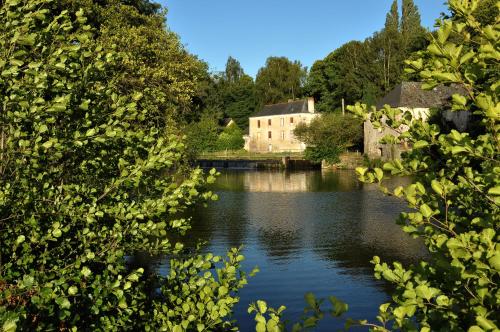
pixel 288 102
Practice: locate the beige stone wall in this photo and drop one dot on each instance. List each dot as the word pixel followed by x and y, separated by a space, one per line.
pixel 372 146
pixel 280 131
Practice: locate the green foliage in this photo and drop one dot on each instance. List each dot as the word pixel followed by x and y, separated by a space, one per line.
pixel 240 100
pixel 233 93
pixel 231 138
pixel 328 153
pixel 329 135
pixel 157 65
pixel 338 76
pixel 202 136
pixel 313 313
pixel 272 323
pixel 455 194
pixel 280 80
pixel 90 174
pixel 197 299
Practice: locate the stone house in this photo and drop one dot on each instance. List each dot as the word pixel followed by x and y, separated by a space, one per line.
pixel 409 96
pixel 271 129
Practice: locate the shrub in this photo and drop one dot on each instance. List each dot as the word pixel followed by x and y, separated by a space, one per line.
pixel 87 177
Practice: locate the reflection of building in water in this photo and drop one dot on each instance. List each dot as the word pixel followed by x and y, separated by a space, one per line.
pixel 276 182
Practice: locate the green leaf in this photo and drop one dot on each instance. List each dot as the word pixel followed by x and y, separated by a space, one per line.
pixel 443 300
pixel 458 149
pixel 47 144
pixel 486 323
pixel 494 191
pixel 260 327
pixel 420 144
pixel 495 262
pixel 425 292
pixel 9 325
pixel 310 299
pixel 426 211
pixel 90 132
pixel 72 290
pixel 459 99
pixel 20 239
pixel 437 187
pixel 262 306
pixel 86 272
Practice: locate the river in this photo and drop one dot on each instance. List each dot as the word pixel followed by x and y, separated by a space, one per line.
pixel 309 231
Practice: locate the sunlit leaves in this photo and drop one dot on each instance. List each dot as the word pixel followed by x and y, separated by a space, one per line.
pixel 454 197
pixel 88 175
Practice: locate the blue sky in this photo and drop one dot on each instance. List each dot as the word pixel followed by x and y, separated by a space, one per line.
pixel 252 30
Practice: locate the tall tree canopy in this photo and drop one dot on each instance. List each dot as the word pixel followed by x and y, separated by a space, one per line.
pixel 279 80
pixel 234 71
pixel 367 70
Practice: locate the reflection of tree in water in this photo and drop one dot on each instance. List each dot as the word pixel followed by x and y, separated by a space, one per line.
pixel 223 220
pixel 336 180
pixel 279 243
pixel 367 230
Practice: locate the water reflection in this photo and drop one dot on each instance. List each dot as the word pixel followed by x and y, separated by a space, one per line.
pixel 307 231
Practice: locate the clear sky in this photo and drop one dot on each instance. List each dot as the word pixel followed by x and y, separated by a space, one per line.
pixel 252 30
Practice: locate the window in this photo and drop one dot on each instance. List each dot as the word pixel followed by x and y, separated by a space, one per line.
pixel 291 119
pixel 269 122
pixel 269 134
pixel 282 122
pixel 282 135
pixel 258 123
pixel 258 136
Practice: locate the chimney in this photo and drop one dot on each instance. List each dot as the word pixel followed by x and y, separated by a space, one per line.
pixel 310 104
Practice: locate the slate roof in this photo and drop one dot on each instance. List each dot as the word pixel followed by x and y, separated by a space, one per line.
pixel 293 107
pixel 410 94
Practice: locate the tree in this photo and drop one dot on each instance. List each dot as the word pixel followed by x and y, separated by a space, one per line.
pixel 390 48
pixel 455 196
pixel 231 138
pixel 88 175
pixel 202 135
pixel 365 71
pixel 158 65
pixel 392 19
pixel 329 135
pixel 412 32
pixel 240 100
pixel 279 80
pixel 238 95
pixel 341 75
pixel 234 72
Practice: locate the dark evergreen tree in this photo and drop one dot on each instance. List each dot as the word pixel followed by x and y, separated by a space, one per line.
pixel 412 32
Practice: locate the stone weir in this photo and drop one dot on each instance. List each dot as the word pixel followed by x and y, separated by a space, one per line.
pixel 278 163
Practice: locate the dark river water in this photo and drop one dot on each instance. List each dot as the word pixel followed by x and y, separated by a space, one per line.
pixel 310 231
